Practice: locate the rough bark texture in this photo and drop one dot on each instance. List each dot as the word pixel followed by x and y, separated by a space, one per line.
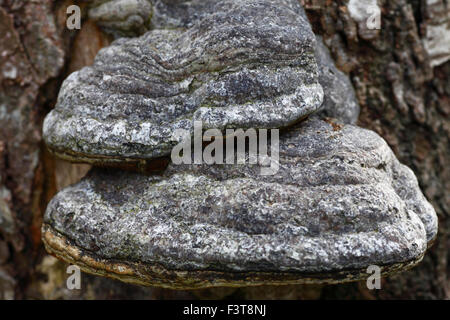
pixel 407 102
pixel 401 81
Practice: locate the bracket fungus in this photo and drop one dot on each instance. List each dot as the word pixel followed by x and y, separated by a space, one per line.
pixel 339 202
pixel 247 64
pixel 339 96
pixel 122 17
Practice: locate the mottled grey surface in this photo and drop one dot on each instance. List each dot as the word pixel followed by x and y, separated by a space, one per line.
pixel 122 17
pixel 245 64
pixel 340 201
pixel 339 96
pixel 135 17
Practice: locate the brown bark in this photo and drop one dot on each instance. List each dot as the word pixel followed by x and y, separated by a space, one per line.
pixel 407 102
pixel 402 96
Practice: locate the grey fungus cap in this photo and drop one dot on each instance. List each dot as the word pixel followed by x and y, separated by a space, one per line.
pixel 339 203
pixel 340 100
pixel 238 64
pixel 122 17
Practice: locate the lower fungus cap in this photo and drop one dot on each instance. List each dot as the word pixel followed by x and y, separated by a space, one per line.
pixel 339 203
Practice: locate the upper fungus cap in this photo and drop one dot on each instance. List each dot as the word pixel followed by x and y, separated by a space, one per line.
pixel 122 17
pixel 237 64
pixel 339 203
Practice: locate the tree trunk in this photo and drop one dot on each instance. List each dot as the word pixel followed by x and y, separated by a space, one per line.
pixel 401 75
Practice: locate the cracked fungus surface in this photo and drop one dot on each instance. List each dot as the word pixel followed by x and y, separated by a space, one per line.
pixel 340 201
pixel 234 65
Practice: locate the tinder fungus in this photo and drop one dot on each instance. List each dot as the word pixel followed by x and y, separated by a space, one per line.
pixel 339 96
pixel 122 17
pixel 339 203
pixel 238 64
pixel 335 202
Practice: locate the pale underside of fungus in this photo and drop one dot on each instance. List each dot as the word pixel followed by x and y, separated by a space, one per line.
pixel 235 64
pixel 339 203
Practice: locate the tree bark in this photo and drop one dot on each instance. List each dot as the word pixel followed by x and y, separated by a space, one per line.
pixel 401 77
